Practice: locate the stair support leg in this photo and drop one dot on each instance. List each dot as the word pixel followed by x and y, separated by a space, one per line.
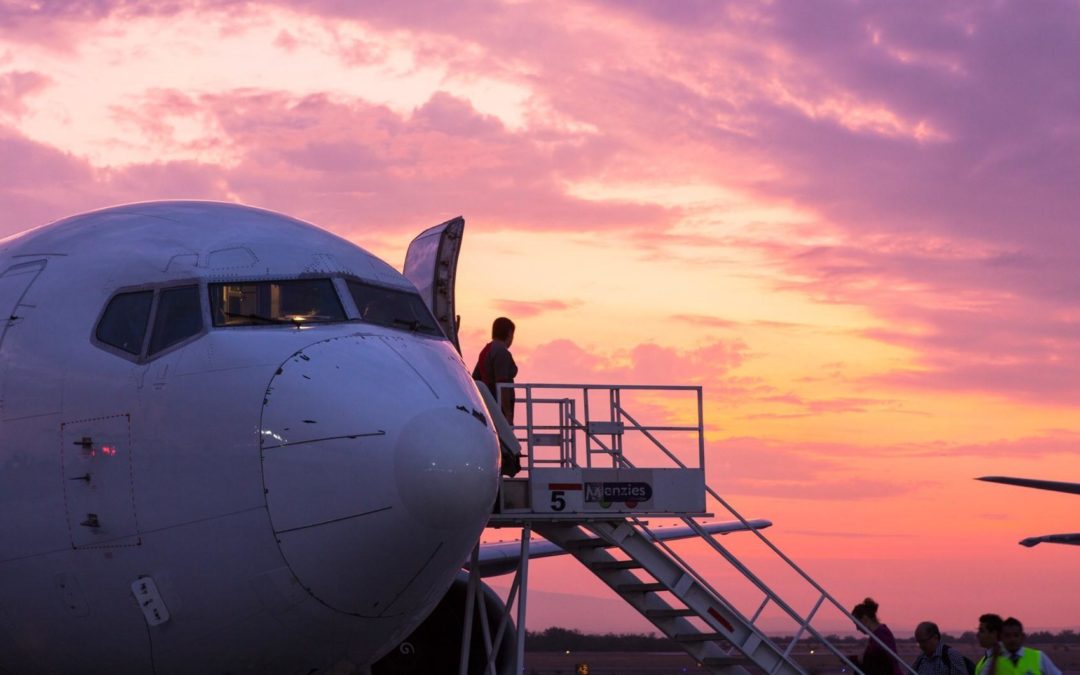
pixel 470 600
pixel 523 572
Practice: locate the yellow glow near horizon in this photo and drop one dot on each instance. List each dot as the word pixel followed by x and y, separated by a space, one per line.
pixel 714 208
pixel 794 345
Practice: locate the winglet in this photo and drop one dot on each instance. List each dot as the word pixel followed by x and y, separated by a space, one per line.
pixel 1073 539
pixel 1053 485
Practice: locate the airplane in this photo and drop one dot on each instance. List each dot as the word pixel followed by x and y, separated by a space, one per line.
pixel 1055 486
pixel 233 442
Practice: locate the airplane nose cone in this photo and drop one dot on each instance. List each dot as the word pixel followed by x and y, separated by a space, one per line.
pixel 446 467
pixel 378 475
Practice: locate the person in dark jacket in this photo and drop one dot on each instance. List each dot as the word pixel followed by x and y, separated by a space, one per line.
pixel 496 365
pixel 876 660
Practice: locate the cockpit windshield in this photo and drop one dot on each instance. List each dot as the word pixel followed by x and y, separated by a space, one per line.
pixel 259 303
pixel 393 308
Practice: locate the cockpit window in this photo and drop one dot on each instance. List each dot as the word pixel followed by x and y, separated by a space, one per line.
pixel 394 308
pixel 178 317
pixel 261 303
pixel 123 325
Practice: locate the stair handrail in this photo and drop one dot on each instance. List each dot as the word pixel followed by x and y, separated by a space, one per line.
pixel 791 563
pixel 806 577
pixel 718 597
pixel 620 459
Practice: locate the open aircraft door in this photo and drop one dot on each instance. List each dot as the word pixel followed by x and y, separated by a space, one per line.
pixel 431 264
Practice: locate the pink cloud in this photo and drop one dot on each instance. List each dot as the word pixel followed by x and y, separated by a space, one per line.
pixel 792 471
pixel 342 160
pixel 962 245
pixel 62 25
pixel 979 222
pixel 654 363
pixel 35 180
pixel 1060 442
pixel 39 184
pixel 845 471
pixel 805 407
pixel 978 321
pixel 706 321
pixel 17 85
pixel 286 41
pixel 709 321
pixel 530 308
pixel 360 168
pixel 1053 442
pixel 156 113
pixel 566 361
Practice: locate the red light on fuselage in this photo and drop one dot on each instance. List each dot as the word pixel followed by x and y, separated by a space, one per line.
pixel 108 450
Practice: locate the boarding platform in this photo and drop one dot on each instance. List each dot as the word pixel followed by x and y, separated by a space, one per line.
pixel 603 466
pixel 575 442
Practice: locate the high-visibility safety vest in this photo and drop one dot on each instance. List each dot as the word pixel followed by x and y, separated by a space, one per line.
pixel 1030 663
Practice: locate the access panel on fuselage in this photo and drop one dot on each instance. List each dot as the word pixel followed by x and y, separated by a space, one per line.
pixel 99 491
pixel 15 281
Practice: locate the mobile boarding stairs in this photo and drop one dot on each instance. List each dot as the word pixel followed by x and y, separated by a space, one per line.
pixel 597 461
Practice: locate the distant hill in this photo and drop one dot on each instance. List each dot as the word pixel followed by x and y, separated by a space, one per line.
pixel 564 639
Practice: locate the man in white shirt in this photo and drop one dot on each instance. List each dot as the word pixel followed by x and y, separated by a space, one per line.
pixel 937 658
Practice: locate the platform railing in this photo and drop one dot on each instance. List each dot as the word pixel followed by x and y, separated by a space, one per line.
pixel 603 429
pixel 596 438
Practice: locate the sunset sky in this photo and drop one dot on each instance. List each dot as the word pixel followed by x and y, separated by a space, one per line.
pixel 856 224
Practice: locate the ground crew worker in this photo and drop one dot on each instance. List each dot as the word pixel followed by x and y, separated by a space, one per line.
pixel 1016 659
pixel 989 637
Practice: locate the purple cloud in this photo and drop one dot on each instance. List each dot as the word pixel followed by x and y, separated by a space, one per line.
pixel 937 143
pixel 39 184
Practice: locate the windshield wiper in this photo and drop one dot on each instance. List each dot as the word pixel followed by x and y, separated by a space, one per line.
pixel 257 317
pixel 411 324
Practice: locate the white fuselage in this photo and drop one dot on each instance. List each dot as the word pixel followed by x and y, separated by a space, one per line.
pixel 300 494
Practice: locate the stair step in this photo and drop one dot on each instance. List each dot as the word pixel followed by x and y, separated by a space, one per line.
pixel 582 544
pixel 669 613
pixel 699 637
pixel 723 661
pixel 615 565
pixel 640 588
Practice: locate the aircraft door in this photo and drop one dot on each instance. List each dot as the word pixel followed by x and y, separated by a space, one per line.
pixel 99 492
pixel 431 264
pixel 14 283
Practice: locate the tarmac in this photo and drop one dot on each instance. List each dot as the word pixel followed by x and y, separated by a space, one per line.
pixel 1066 657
